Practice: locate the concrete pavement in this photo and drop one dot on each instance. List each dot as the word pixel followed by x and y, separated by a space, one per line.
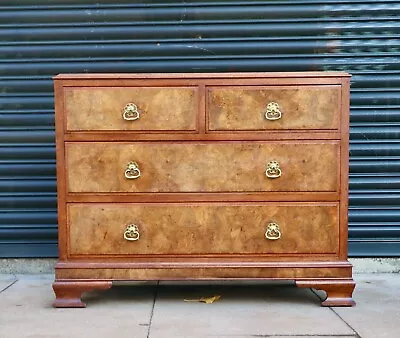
pixel 158 311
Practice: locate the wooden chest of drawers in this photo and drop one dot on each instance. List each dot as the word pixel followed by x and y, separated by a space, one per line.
pixel 202 177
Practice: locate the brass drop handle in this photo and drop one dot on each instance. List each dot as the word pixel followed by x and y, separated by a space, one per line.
pixel 132 171
pixel 273 232
pixel 130 112
pixel 273 170
pixel 132 233
pixel 273 111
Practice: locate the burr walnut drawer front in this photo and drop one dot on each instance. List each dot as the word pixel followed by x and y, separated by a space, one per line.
pixel 202 167
pixel 145 229
pixel 131 108
pixel 265 108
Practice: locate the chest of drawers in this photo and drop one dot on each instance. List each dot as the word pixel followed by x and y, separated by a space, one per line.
pixel 202 177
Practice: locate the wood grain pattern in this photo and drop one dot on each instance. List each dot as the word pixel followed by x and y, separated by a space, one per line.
pixel 206 261
pixel 203 197
pixel 189 167
pixel 344 167
pixel 98 229
pixel 171 197
pixel 60 167
pixel 199 273
pixel 227 76
pixel 303 107
pixel 338 292
pixel 254 135
pixel 101 108
pixel 68 293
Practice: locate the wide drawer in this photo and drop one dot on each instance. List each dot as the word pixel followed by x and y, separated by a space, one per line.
pixel 202 167
pixel 145 229
pixel 281 107
pixel 131 108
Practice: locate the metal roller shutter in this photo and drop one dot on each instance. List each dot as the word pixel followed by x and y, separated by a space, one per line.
pixel 45 38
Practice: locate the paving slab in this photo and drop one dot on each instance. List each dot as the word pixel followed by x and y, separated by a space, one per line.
pixel 26 311
pixel 242 311
pixel 278 336
pixel 336 336
pixel 6 281
pixel 377 313
pixel 302 336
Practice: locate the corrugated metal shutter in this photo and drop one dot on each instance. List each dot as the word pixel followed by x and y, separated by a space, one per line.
pixel 48 37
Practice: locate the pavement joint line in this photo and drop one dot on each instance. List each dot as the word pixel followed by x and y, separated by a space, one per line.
pixel 316 294
pixel 10 285
pixel 357 334
pixel 152 309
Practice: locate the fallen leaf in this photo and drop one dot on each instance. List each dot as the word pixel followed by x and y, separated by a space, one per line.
pixel 207 300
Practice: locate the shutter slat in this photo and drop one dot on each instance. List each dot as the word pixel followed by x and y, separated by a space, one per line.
pixel 43 38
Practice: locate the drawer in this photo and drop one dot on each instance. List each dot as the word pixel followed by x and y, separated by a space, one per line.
pixel 176 229
pixel 202 167
pixel 131 108
pixel 266 108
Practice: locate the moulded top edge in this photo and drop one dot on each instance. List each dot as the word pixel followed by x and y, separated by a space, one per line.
pixel 199 75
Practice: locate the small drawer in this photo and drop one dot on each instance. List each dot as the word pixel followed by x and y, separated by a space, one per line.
pixel 202 167
pixel 266 108
pixel 177 229
pixel 131 108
